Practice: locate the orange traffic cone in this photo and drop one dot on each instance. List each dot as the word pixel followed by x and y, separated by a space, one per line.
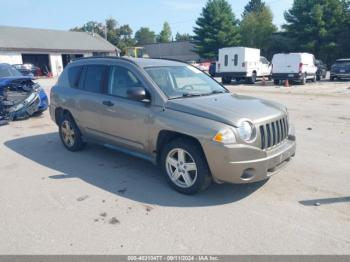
pixel 286 83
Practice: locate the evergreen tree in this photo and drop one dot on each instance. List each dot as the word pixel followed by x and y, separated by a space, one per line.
pixel 217 27
pixel 319 26
pixel 254 6
pixel 165 35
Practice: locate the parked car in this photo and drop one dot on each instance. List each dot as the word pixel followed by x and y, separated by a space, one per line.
pixel 212 69
pixel 241 63
pixel 174 115
pixel 321 70
pixel 298 67
pixel 28 69
pixel 340 69
pixel 203 66
pixel 20 97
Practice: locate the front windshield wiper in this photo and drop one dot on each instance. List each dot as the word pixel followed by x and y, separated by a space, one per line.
pixel 219 91
pixel 191 94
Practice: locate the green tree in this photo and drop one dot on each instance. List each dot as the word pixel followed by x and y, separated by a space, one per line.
pixel 125 37
pixel 120 36
pixel 91 27
pixel 319 26
pixel 217 27
pixel 165 35
pixel 254 6
pixel 145 36
pixel 257 28
pixel 183 37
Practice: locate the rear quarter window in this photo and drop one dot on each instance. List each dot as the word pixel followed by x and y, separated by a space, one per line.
pixel 74 74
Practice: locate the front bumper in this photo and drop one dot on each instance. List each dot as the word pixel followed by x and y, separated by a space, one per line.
pixel 241 164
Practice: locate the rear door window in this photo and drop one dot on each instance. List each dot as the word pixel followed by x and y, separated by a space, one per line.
pixel 95 75
pixel 226 60
pixel 74 74
pixel 236 60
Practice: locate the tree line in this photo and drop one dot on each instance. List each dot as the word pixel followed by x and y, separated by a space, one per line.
pixel 321 27
pixel 122 35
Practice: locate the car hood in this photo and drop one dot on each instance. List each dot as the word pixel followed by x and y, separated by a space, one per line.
pixel 5 81
pixel 228 108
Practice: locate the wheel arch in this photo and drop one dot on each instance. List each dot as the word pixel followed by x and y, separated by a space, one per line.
pixel 166 136
pixel 60 112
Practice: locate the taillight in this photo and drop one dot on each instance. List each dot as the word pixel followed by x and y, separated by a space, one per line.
pixel 301 67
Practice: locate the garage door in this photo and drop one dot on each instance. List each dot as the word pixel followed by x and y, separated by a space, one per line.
pixel 39 60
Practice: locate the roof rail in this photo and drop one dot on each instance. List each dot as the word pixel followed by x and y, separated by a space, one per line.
pixel 105 57
pixel 170 59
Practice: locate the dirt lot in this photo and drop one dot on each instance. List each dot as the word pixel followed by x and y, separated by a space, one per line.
pixel 102 202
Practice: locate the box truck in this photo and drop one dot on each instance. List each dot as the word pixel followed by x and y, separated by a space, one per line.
pixel 241 63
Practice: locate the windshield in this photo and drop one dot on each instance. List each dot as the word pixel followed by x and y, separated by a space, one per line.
pixel 183 81
pixel 8 71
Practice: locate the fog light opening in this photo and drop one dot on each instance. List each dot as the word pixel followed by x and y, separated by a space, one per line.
pixel 248 174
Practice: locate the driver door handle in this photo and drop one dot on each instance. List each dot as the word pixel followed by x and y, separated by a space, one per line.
pixel 108 103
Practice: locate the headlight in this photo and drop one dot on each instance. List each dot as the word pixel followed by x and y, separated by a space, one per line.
pixel 225 136
pixel 246 131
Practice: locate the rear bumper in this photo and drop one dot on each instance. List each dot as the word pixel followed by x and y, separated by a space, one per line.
pixel 242 164
pixel 287 76
pixel 232 74
pixel 341 75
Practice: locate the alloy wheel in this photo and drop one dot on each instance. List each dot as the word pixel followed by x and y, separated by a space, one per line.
pixel 68 133
pixel 181 168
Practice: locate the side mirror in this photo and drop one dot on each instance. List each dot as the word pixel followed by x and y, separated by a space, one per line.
pixel 137 94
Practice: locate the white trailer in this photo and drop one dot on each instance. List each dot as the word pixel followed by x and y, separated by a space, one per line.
pixel 242 63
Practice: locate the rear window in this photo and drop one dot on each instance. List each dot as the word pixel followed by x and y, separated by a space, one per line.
pixel 343 63
pixel 74 76
pixel 94 77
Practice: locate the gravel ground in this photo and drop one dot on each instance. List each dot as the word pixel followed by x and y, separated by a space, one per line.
pixel 102 202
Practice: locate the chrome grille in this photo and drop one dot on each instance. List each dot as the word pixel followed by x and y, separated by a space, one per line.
pixel 273 133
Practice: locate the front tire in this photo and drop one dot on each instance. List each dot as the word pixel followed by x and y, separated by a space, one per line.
pixel 303 80
pixel 70 134
pixel 185 166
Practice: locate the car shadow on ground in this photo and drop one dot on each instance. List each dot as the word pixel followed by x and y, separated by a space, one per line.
pixel 325 201
pixel 120 174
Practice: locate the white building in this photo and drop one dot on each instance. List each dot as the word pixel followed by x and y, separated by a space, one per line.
pixel 51 50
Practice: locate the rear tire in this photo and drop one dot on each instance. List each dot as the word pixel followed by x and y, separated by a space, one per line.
pixel 185 167
pixel 252 79
pixel 70 134
pixel 226 80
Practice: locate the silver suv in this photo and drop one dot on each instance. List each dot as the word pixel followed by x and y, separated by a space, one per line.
pixel 173 115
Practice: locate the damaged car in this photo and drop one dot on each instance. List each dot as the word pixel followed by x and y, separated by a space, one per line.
pixel 20 96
